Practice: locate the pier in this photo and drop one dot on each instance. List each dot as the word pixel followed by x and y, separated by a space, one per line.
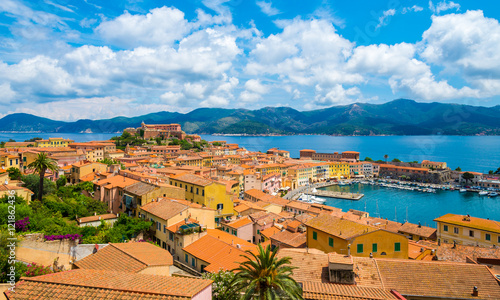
pixel 339 195
pixel 294 194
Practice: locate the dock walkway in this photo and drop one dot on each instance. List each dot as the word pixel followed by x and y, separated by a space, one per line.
pixel 294 194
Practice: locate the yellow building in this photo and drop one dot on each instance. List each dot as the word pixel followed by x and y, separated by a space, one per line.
pixel 8 160
pixel 468 230
pixel 9 190
pixel 167 212
pixel 53 142
pixel 332 234
pixel 195 161
pixel 84 168
pixel 206 192
pixel 339 170
pixel 435 165
pixel 301 175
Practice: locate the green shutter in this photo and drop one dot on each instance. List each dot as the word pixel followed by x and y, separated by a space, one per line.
pixel 374 248
pixel 330 242
pixel 360 248
pixel 397 247
pixel 315 235
pixel 186 257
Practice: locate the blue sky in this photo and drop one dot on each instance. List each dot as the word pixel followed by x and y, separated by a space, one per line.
pixel 75 59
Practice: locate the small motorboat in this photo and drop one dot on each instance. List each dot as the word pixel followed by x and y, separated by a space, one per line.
pixel 463 190
pixel 493 194
pixel 483 193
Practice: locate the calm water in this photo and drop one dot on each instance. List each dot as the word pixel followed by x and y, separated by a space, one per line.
pixel 422 207
pixel 472 153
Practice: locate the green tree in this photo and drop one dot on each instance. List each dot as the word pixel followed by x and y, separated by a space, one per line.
pixel 14 173
pixel 368 159
pixel 40 165
pixel 158 141
pixel 396 160
pixel 386 156
pixel 264 276
pixel 222 288
pixel 61 181
pixel 458 169
pixel 467 176
pixel 32 182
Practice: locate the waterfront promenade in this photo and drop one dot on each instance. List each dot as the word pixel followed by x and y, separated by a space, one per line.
pixel 294 194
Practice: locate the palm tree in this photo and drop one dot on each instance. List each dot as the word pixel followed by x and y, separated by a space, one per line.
pixel 40 165
pixel 386 157
pixel 264 276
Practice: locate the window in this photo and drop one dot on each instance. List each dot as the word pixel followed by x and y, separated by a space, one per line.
pixel 202 192
pixel 359 248
pixel 235 232
pixel 258 231
pixel 220 206
pixel 176 184
pixel 186 257
pixel 171 236
pixel 315 235
pixel 180 185
pixel 397 247
pixel 455 230
pixel 158 226
pixel 374 248
pixel 197 191
pixel 471 233
pixel 191 189
pixel 193 262
pixel 445 227
pixel 330 242
pixel 488 237
pixel 164 228
pixel 186 188
pixel 498 239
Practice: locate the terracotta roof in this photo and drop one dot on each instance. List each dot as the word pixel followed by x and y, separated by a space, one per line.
pixel 126 257
pixel 263 217
pixel 175 227
pixel 98 284
pixel 8 187
pixel 471 222
pixel 218 254
pixel 239 223
pixel 165 208
pixel 341 228
pixel 446 252
pixel 438 279
pixel 312 264
pixel 96 218
pixel 139 188
pixel 231 239
pixel 116 181
pixel 269 232
pixel 415 249
pixel 193 179
pixel 319 290
pixel 259 195
pixel 415 229
pixel 292 239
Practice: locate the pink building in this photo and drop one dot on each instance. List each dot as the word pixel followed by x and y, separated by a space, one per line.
pixel 241 227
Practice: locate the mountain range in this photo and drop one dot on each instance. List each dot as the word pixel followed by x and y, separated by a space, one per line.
pixel 398 117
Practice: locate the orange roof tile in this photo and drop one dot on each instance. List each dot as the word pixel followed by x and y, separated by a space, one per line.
pixel 319 290
pixel 416 229
pixel 116 181
pixel 193 179
pixel 438 279
pixel 231 239
pixel 269 232
pixel 291 239
pixel 239 223
pixel 471 222
pixel 126 257
pixel 99 284
pixel 341 228
pixel 218 254
pixel 165 208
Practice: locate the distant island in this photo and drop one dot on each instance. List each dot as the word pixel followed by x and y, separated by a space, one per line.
pixel 398 117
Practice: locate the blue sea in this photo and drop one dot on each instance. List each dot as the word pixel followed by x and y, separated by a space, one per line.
pixel 471 153
pixel 413 206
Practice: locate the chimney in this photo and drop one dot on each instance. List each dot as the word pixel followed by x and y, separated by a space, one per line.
pixel 95 213
pixel 475 292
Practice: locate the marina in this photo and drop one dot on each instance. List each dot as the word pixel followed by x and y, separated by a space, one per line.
pixel 401 204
